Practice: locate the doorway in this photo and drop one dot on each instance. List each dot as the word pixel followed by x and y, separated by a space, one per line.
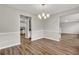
pixel 25 27
pixel 69 26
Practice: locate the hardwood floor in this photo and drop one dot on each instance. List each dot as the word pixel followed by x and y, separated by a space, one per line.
pixel 41 47
pixel 70 39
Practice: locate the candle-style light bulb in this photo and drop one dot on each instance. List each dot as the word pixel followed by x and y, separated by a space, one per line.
pixel 39 16
pixel 48 15
pixel 44 17
pixel 43 14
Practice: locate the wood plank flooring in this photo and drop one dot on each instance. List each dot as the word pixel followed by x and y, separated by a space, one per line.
pixel 70 39
pixel 41 47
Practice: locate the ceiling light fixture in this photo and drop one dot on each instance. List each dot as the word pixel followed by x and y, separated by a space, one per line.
pixel 44 14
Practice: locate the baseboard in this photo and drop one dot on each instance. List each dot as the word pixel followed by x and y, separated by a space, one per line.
pixel 53 39
pixel 71 33
pixel 46 38
pixel 37 35
pixel 45 34
pixel 52 35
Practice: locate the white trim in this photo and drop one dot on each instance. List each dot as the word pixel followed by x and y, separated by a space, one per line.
pixel 7 46
pixel 52 35
pixel 37 35
pixel 49 34
pixel 8 33
pixel 9 39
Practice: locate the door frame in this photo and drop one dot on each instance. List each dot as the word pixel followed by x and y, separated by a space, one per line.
pixel 29 24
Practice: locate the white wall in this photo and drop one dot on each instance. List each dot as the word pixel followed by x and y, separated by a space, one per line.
pixel 37 28
pixel 52 28
pixel 52 25
pixel 70 27
pixel 70 24
pixel 49 28
pixel 70 18
pixel 8 20
pixel 10 26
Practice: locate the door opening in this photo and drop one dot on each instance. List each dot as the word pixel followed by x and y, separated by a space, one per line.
pixel 25 27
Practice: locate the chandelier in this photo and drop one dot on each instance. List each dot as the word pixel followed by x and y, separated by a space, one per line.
pixel 44 14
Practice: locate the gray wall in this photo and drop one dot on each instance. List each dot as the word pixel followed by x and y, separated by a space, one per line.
pixel 9 21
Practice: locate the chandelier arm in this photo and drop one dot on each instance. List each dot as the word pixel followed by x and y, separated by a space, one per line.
pixel 44 14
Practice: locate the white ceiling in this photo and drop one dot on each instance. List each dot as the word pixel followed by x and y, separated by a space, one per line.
pixel 37 8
